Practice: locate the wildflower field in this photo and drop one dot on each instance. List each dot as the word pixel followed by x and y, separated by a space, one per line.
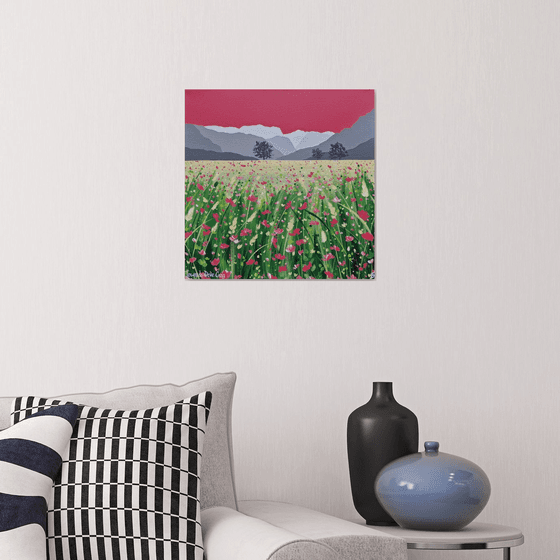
pixel 279 219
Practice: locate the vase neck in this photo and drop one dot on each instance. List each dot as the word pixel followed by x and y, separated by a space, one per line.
pixel 382 391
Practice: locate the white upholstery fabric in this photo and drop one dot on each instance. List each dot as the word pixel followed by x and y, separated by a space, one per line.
pixel 230 535
pixel 349 540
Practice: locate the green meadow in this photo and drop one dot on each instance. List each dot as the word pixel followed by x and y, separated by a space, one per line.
pixel 280 219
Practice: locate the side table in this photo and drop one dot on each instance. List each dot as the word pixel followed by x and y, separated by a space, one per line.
pixel 473 536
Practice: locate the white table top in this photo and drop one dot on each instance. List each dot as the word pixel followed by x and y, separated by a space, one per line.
pixel 475 535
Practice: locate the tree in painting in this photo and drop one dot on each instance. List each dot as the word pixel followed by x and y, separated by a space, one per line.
pixel 317 153
pixel 263 150
pixel 337 151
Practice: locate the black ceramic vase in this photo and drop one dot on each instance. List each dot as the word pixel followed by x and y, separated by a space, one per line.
pixel 378 432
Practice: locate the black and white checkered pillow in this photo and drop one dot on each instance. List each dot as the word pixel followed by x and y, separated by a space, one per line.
pixel 129 487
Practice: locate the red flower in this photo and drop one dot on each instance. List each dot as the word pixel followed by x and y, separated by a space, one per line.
pixel 290 248
pixel 295 232
pixel 272 277
pixel 245 232
pixel 188 234
pixel 265 212
pixel 189 198
pixel 207 232
pixel 224 275
pixel 230 201
pixel 192 259
pixel 329 274
pixel 224 246
pixel 314 223
pixel 282 268
pixel 328 257
pixel 280 257
pixel 335 248
pixel 251 261
pixel 303 206
pixel 206 227
pixel 265 224
pixel 300 252
pixel 275 243
pixel 334 221
pixel 349 179
pixel 364 215
pixel 301 241
pixel 238 255
pixel 278 231
pixel 216 217
pixel 252 198
pixel 306 267
pixel 289 205
pixel 200 187
pixel 215 262
pixel 349 238
pixel 367 236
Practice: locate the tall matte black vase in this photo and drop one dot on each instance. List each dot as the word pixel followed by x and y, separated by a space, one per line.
pixel 378 432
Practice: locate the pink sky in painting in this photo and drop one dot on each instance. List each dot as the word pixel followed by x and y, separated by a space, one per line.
pixel 317 110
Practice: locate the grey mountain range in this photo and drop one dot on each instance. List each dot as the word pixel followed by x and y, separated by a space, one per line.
pixel 206 142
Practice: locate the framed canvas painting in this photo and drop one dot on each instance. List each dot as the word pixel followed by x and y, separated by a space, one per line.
pixel 279 184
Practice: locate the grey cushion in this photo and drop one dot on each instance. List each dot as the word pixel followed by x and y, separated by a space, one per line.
pixel 217 479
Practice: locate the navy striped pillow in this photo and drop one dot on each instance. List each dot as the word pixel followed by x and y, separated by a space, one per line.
pixel 129 486
pixel 30 458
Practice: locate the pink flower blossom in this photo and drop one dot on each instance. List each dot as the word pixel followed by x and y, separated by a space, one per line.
pixel 224 246
pixel 335 248
pixel 230 201
pixel 224 275
pixel 364 215
pixel 301 241
pixel 252 198
pixel 306 267
pixel 278 231
pixel 200 187
pixel 289 205
pixel 282 268
pixel 188 199
pixel 245 232
pixel 188 234
pixel 296 231
pixel 329 274
pixel 215 262
pixel 349 238
pixel 216 217
pixel 251 261
pixel 334 221
pixel 314 223
pixel 290 248
pixel 192 259
pixel 328 257
pixel 280 257
pixel 367 236
pixel 265 212
pixel 303 206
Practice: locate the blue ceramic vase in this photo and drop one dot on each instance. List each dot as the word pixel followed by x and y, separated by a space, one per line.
pixel 432 491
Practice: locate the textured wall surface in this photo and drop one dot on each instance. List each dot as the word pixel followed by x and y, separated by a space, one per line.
pixel 464 315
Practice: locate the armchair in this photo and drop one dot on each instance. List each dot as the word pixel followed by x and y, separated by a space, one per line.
pixel 234 529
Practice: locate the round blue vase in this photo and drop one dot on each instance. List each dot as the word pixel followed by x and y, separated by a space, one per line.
pixel 432 491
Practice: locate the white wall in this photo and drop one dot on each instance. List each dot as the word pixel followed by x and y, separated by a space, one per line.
pixel 464 316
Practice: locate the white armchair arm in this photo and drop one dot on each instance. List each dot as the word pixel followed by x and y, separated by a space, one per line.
pixel 264 530
pixel 350 540
pixel 231 535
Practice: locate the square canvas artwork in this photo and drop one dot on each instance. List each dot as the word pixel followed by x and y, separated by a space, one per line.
pixel 279 184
